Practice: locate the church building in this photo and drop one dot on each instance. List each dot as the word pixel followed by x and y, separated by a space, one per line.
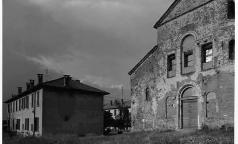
pixel 187 79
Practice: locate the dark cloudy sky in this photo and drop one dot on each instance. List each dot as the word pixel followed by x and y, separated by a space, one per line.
pixel 96 41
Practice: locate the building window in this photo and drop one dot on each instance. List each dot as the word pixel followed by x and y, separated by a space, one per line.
pixel 31 127
pixel 27 124
pixel 27 101
pixel 36 124
pixel 16 105
pixel 19 104
pixel 18 124
pixel 24 102
pixel 230 9
pixel 171 65
pixel 38 99
pixel 232 50
pixel 32 100
pixel 188 58
pixel 147 94
pixel 187 54
pixel 13 124
pixel 12 106
pixel 207 54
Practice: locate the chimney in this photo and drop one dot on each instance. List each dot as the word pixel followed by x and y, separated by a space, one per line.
pixel 40 78
pixel 31 83
pixel 67 79
pixel 27 85
pixel 19 90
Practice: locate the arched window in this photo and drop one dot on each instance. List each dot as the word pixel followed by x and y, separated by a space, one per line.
pixel 232 50
pixel 147 94
pixel 187 54
pixel 230 9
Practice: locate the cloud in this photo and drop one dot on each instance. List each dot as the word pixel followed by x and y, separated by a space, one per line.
pixel 101 37
pixel 94 40
pixel 48 63
pixel 74 64
pixel 101 81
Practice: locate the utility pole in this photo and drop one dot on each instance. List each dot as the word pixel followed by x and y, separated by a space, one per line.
pixel 9 121
pixel 122 92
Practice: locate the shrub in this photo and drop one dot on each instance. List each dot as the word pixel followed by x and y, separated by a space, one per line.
pixel 205 128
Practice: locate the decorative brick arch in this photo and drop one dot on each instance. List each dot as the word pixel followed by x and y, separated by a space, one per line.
pixel 187 85
pixel 183 36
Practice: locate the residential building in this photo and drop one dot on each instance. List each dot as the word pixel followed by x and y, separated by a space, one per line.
pixel 121 113
pixel 114 107
pixel 187 79
pixel 60 106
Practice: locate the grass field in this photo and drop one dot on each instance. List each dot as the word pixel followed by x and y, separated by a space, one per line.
pixel 149 137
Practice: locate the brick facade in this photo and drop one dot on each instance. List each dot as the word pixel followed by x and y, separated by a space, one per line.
pixel 212 80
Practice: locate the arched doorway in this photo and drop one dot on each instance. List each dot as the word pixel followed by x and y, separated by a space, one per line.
pixel 189 108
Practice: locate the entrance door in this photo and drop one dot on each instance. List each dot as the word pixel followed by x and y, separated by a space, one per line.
pixel 189 114
pixel 189 109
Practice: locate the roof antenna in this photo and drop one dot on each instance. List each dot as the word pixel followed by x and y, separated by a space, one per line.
pixel 46 74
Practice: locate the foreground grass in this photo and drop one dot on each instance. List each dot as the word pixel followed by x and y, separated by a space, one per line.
pixel 151 137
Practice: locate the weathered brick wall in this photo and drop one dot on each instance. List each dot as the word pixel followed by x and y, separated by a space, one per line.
pixel 184 7
pixel 207 24
pixel 221 103
pixel 72 112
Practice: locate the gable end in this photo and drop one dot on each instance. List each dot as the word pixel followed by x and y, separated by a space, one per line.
pixel 163 20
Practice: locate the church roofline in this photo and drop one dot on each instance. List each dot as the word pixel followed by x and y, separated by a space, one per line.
pixel 172 6
pixel 142 60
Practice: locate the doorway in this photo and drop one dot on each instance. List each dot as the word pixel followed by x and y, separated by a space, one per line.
pixel 189 108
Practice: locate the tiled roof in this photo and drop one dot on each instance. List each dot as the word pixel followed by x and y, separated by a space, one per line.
pixel 59 83
pixel 74 84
